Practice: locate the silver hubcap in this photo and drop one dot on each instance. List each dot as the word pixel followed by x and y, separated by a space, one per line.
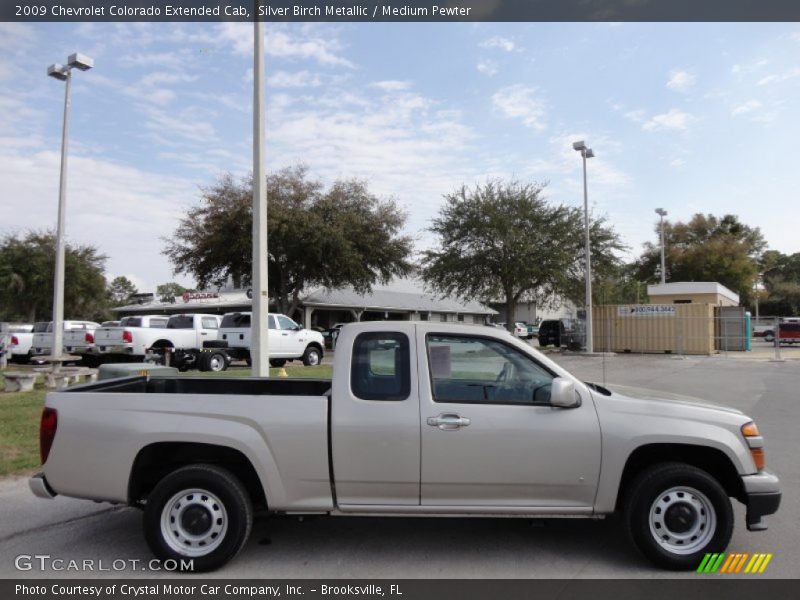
pixel 313 358
pixel 682 520
pixel 215 364
pixel 194 522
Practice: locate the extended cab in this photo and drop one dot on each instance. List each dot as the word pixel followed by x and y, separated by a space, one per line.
pixel 287 339
pixel 420 418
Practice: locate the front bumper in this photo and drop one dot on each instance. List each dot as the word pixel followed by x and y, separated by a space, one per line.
pixel 763 497
pixel 40 487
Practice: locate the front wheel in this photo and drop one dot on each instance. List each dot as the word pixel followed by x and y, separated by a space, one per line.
pixel 769 336
pixel 199 513
pixel 676 513
pixel 312 356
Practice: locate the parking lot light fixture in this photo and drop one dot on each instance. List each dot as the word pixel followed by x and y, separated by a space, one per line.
pixel 63 73
pixel 587 153
pixel 662 213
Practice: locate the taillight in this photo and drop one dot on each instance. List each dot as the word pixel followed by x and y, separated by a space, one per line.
pixel 47 432
pixel 89 338
pixel 14 340
pixel 127 337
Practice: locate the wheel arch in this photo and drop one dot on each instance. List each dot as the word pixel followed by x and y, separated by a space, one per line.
pixel 155 461
pixel 711 460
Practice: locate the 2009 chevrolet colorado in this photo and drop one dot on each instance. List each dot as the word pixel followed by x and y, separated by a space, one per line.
pixel 419 419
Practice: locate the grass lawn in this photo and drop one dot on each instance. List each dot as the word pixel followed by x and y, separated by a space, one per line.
pixel 19 430
pixel 20 413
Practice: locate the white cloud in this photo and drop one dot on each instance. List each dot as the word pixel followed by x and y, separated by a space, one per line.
pixel 680 81
pixel 487 67
pixel 637 116
pixel 279 42
pixel 747 107
pixel 286 79
pixel 391 85
pixel 677 162
pixel 674 119
pixel 780 77
pixel 500 43
pixel 123 211
pixel 521 102
pixel 749 67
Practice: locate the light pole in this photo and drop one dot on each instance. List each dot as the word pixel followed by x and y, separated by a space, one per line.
pixel 259 346
pixel 63 73
pixel 662 213
pixel 587 153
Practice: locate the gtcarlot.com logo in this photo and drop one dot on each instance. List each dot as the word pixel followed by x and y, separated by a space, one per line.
pixel 736 562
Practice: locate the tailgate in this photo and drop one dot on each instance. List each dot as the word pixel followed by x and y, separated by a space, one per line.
pixel 108 336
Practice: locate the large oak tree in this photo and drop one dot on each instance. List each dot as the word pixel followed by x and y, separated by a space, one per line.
pixel 342 236
pixel 27 265
pixel 503 240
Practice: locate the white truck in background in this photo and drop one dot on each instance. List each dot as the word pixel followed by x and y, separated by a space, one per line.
pixel 78 337
pixel 177 339
pixel 20 342
pixel 132 337
pixel 287 339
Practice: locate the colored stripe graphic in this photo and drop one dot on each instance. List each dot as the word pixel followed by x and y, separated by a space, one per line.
pixel 734 563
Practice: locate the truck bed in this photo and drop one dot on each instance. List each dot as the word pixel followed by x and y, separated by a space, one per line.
pixel 245 386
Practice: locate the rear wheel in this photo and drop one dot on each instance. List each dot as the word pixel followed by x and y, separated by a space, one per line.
pixel 200 513
pixel 215 361
pixel 769 336
pixel 676 513
pixel 277 362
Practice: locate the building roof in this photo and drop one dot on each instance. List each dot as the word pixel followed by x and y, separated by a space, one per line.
pixel 406 295
pixel 692 287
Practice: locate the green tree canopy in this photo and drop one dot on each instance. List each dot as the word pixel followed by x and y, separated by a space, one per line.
pixel 27 265
pixel 166 292
pixel 502 240
pixel 781 278
pixel 707 248
pixel 120 290
pixel 343 236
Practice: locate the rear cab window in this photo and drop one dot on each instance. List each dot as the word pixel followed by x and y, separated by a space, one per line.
pixel 381 366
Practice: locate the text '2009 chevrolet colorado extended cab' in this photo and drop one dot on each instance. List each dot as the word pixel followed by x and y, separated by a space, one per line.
pixel 419 419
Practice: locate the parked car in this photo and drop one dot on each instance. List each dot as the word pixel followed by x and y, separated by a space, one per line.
pixel 533 331
pixel 132 337
pixel 520 329
pixel 21 342
pixel 74 337
pixel 788 333
pixel 551 332
pixel 786 327
pixel 420 418
pixel 287 339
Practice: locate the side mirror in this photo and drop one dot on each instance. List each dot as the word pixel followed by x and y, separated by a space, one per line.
pixel 563 395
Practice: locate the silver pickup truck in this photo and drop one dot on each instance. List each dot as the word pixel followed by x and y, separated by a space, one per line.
pixel 420 419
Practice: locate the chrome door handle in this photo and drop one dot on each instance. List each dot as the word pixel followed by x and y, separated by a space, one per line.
pixel 448 421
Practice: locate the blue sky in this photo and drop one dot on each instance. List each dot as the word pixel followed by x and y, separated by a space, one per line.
pixel 689 117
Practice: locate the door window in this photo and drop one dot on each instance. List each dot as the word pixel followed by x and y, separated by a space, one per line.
pixel 210 323
pixel 286 323
pixel 478 370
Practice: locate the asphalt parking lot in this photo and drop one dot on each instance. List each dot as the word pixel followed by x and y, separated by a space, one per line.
pixel 451 548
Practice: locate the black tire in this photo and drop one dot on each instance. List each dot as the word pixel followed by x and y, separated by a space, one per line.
pixel 769 336
pixel 201 362
pixel 215 361
pixel 697 506
pixel 312 356
pixel 277 362
pixel 221 503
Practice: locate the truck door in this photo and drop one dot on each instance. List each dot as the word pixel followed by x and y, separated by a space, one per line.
pixel 209 329
pixel 489 436
pixel 375 419
pixel 289 340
